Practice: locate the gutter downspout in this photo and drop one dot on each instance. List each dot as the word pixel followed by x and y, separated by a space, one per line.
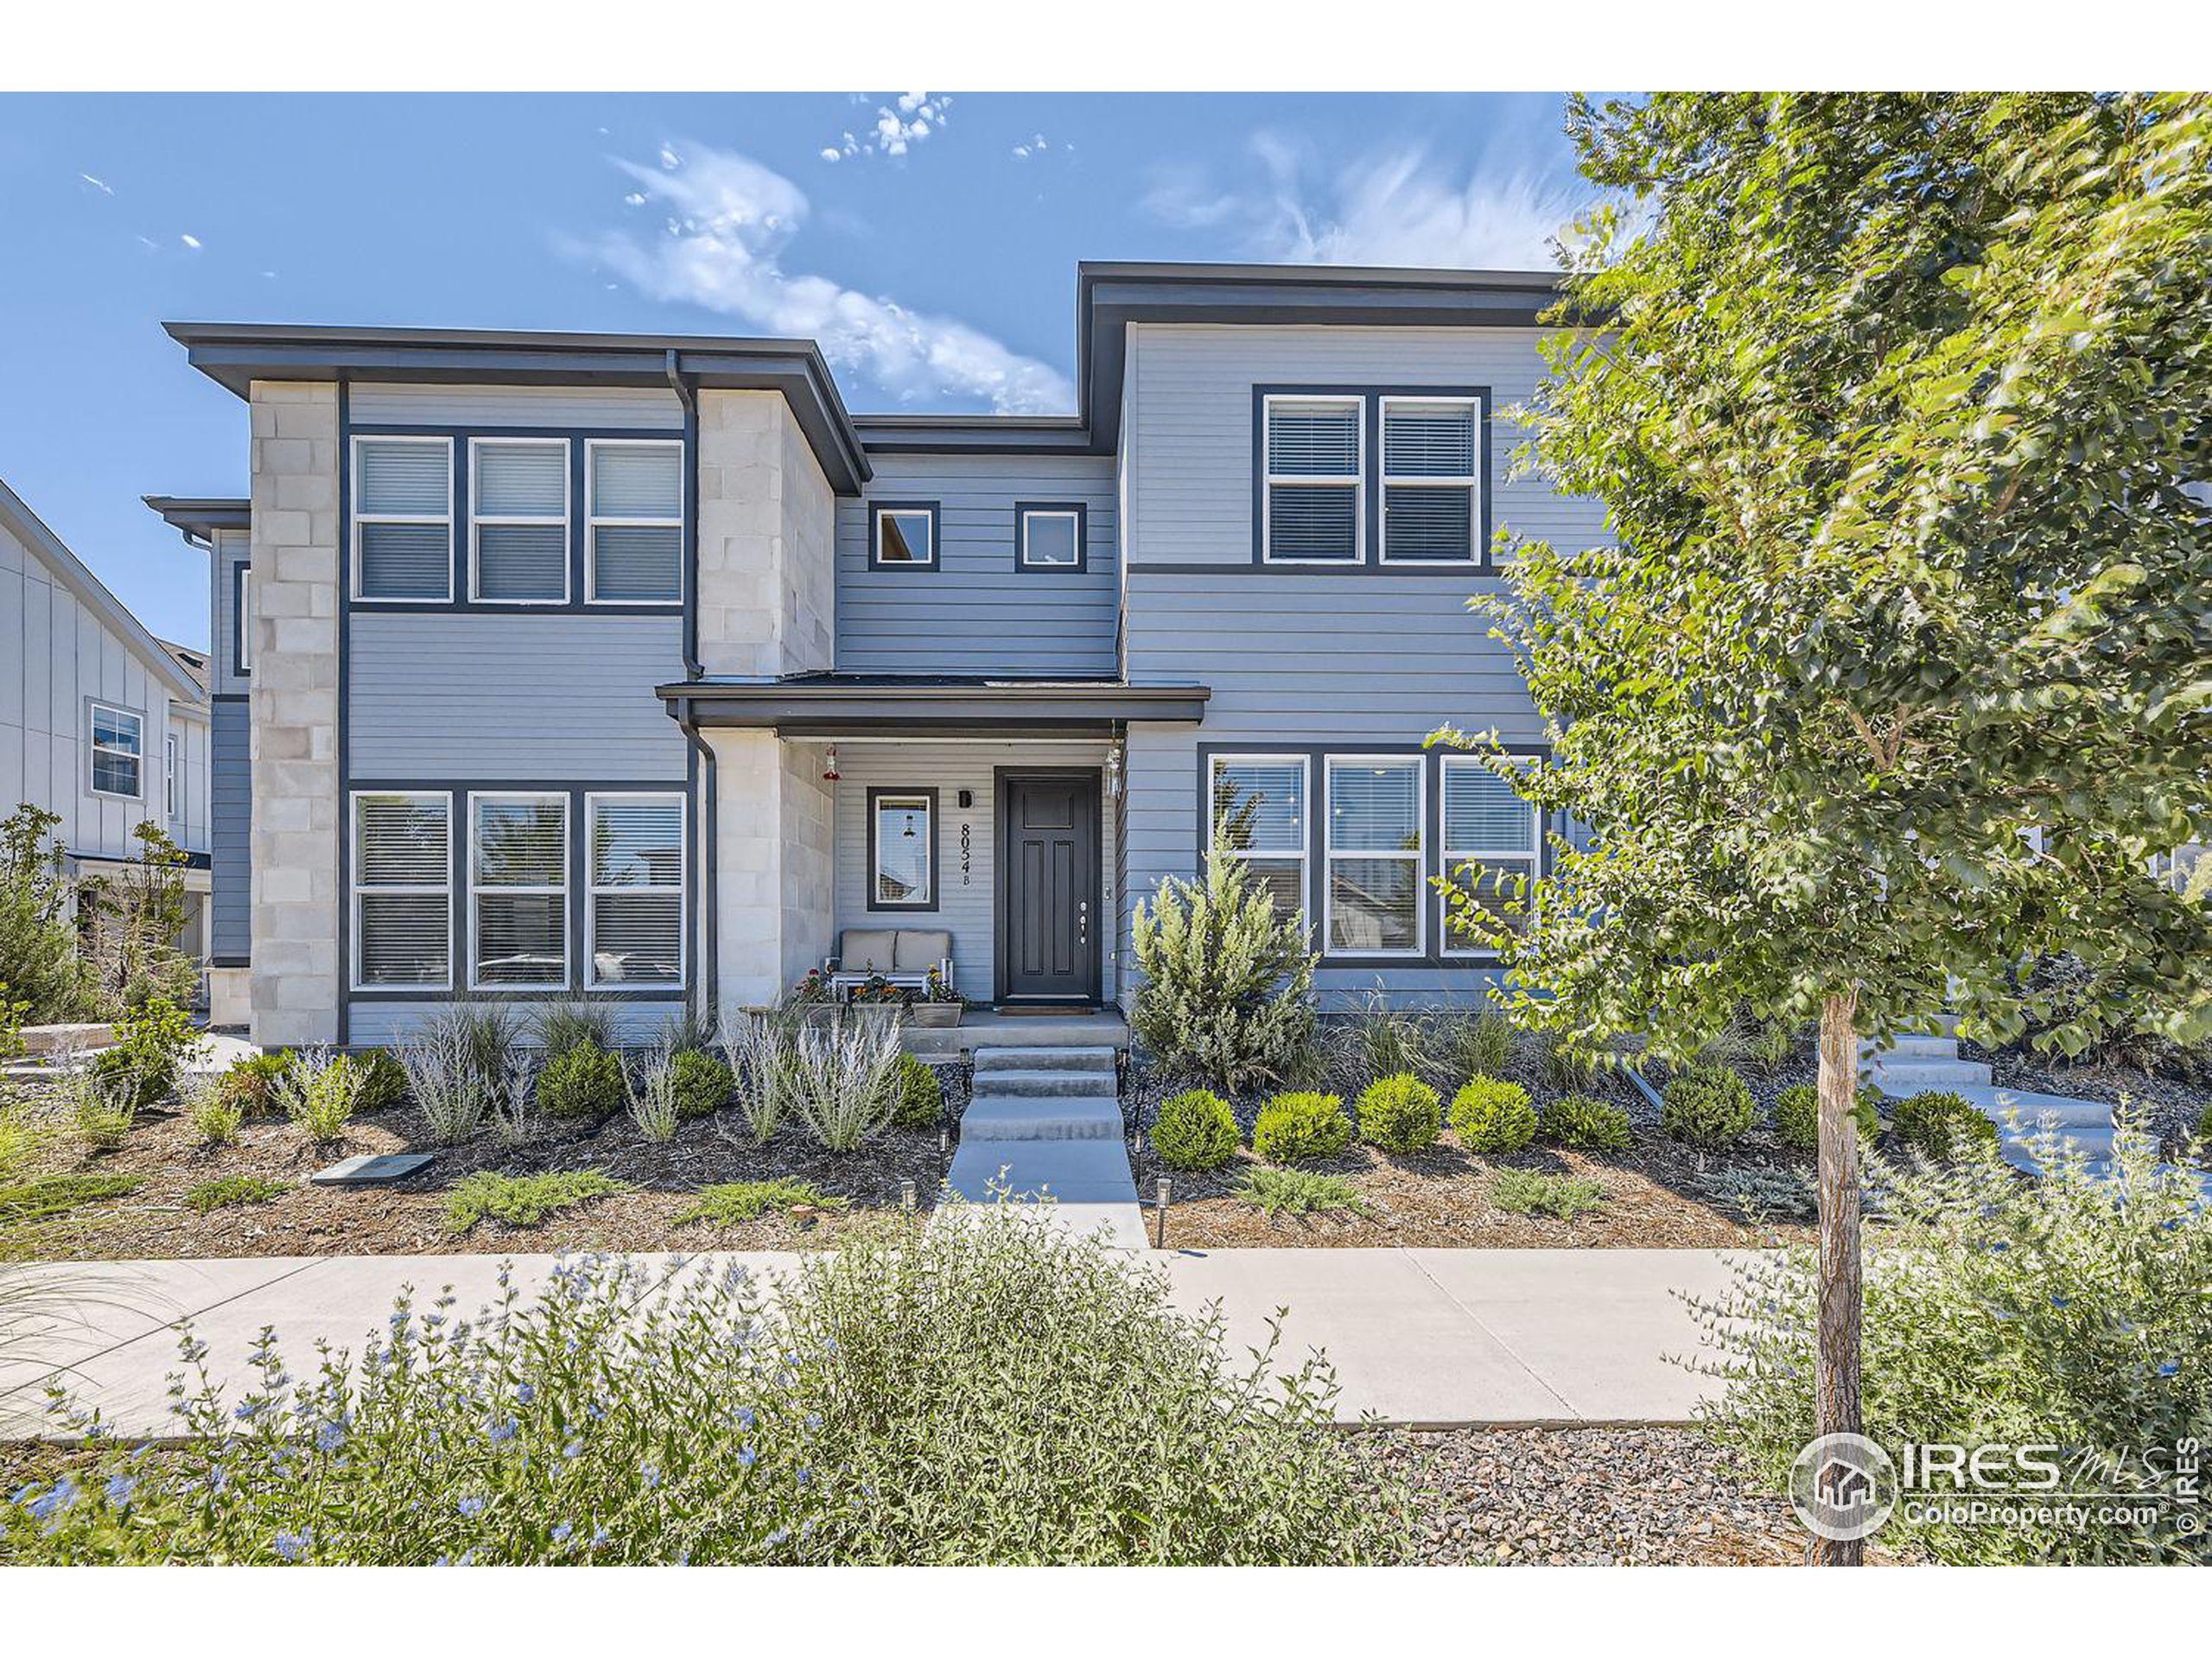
pixel 687 722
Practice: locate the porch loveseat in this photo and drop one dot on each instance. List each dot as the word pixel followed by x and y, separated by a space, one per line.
pixel 905 957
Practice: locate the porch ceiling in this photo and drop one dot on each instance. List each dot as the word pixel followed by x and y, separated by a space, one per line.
pixel 834 705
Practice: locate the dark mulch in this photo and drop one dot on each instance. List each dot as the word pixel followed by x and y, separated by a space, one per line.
pixel 409 1217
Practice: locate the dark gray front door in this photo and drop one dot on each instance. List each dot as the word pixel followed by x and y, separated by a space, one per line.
pixel 1048 887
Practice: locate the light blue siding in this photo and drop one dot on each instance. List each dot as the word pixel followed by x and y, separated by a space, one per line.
pixel 976 613
pixel 493 696
pixel 231 938
pixel 370 1023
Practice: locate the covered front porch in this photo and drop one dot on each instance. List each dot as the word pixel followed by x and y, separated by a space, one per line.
pixel 875 819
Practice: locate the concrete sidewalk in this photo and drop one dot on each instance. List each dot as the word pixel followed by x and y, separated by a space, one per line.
pixel 1423 1337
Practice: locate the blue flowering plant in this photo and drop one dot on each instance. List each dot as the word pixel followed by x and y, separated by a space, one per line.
pixel 2065 1308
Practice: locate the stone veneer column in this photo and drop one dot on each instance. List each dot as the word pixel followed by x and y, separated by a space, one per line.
pixel 767 608
pixel 297 981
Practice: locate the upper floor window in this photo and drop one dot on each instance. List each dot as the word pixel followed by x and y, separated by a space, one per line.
pixel 1489 843
pixel 168 775
pixel 902 536
pixel 634 514
pixel 1373 897
pixel 1048 536
pixel 119 751
pixel 242 618
pixel 1430 446
pixel 403 519
pixel 1314 489
pixel 518 520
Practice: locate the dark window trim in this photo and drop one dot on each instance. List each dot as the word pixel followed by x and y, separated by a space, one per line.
pixel 461 531
pixel 875 511
pixel 1371 559
pixel 1021 511
pixel 1435 955
pixel 909 907
pixel 241 666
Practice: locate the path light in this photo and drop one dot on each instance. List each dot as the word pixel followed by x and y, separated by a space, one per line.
pixel 1159 1216
pixel 906 1196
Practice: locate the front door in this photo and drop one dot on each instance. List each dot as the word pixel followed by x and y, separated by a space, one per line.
pixel 1048 887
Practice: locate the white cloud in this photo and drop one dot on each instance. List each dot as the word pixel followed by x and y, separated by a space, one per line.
pixel 100 185
pixel 1394 208
pixel 190 241
pixel 730 221
pixel 899 127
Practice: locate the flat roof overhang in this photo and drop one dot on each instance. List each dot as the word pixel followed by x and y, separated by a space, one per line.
pixel 830 706
pixel 199 515
pixel 234 355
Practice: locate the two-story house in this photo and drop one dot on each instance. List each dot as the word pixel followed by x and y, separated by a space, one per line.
pixel 637 669
pixel 101 723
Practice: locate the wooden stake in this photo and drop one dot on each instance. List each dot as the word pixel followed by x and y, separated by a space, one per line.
pixel 1836 1392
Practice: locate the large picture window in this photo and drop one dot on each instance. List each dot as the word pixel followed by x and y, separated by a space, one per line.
pixel 518 520
pixel 403 891
pixel 1315 488
pixel 634 518
pixel 403 519
pixel 1258 812
pixel 518 891
pixel 1430 450
pixel 119 751
pixel 902 849
pixel 1373 898
pixel 634 923
pixel 1489 843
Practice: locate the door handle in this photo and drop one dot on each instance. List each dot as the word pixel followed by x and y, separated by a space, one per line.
pixel 1082 921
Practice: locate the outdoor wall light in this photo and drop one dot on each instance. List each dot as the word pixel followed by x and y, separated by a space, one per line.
pixel 830 772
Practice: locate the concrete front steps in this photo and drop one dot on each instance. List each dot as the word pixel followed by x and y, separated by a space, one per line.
pixel 1047 1123
pixel 1920 1061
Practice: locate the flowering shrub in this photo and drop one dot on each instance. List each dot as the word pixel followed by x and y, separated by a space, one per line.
pixel 1491 1116
pixel 872 1411
pixel 2068 1310
pixel 844 1082
pixel 441 1069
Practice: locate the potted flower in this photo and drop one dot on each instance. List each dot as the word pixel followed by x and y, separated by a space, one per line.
pixel 878 997
pixel 937 1004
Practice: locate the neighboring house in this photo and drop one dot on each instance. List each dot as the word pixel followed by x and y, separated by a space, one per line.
pixel 635 669
pixel 100 722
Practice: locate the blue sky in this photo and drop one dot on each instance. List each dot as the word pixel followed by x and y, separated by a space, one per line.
pixel 934 255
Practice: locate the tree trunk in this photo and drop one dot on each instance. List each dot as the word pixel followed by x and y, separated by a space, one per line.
pixel 1836 1376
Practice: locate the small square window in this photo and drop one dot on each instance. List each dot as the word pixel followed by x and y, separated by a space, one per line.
pixel 1050 536
pixel 903 537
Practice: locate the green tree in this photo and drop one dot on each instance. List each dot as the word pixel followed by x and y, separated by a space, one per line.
pixel 132 920
pixel 38 962
pixel 1895 404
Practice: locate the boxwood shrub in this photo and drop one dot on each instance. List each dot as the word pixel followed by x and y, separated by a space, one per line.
pixel 1490 1114
pixel 1400 1113
pixel 1301 1127
pixel 584 1083
pixel 1708 1107
pixel 1590 1125
pixel 1944 1125
pixel 1797 1117
pixel 703 1084
pixel 921 1097
pixel 1195 1130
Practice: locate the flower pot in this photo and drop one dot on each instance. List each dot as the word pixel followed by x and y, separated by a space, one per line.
pixel 938 1014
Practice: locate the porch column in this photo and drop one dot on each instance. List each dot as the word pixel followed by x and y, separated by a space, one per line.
pixel 774 864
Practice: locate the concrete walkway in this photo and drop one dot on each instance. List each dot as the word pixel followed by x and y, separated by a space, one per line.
pixel 1417 1337
pixel 1048 1121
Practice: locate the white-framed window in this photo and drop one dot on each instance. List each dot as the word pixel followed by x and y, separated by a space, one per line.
pixel 633 519
pixel 1432 450
pixel 902 849
pixel 1257 809
pixel 1490 842
pixel 402 890
pixel 1373 901
pixel 902 536
pixel 403 519
pixel 634 926
pixel 119 751
pixel 1314 504
pixel 168 774
pixel 518 521
pixel 242 623
pixel 518 890
pixel 1049 538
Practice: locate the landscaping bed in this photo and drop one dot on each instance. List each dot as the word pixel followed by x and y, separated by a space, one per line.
pixel 2171 1106
pixel 164 1153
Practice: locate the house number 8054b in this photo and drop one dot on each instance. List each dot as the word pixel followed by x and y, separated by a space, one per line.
pixel 967 832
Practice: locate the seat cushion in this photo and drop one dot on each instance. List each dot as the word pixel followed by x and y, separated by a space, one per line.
pixel 868 949
pixel 918 952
